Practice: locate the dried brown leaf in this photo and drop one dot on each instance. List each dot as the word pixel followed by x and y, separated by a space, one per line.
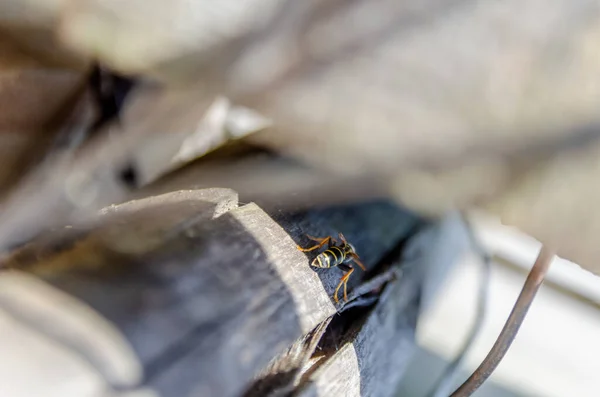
pixel 451 103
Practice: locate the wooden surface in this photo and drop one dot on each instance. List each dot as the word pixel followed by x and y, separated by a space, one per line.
pixel 214 299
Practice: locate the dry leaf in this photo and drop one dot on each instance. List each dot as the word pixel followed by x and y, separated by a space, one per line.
pixel 424 95
pixel 34 101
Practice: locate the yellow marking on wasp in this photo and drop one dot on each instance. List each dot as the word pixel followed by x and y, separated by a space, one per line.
pixel 331 252
pixel 347 254
pixel 341 253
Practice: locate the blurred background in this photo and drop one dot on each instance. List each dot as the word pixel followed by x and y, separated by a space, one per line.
pixel 438 106
pixel 557 350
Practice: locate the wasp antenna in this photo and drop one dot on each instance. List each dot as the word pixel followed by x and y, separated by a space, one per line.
pixel 358 262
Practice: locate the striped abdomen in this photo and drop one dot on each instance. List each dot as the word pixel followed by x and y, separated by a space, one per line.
pixel 334 256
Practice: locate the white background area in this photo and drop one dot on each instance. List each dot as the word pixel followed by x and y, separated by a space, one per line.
pixel 557 351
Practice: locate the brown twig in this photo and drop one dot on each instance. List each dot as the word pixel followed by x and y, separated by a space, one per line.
pixel 508 333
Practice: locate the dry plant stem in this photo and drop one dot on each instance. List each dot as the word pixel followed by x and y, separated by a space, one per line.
pixel 508 333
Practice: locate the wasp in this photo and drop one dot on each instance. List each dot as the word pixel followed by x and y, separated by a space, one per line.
pixel 340 254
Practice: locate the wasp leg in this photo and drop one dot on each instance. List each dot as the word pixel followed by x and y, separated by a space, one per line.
pixel 322 242
pixel 344 282
pixel 319 240
pixel 356 260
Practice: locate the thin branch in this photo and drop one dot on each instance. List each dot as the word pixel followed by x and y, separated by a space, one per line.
pixel 511 328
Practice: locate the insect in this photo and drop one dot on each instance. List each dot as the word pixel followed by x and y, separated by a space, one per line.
pixel 337 254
